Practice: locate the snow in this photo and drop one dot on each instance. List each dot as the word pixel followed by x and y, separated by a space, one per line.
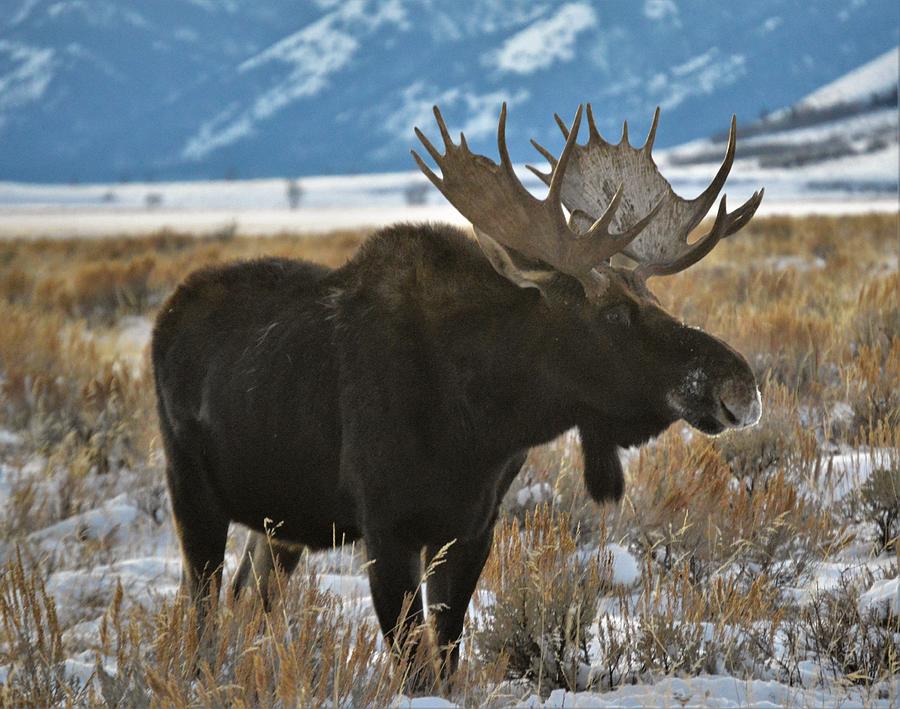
pixel 884 596
pixel 144 580
pixel 626 570
pixel 9 438
pixel 876 77
pixel 479 109
pixel 422 703
pixel 544 42
pixel 259 207
pixel 28 80
pixel 708 691
pixel 660 10
pixel 311 57
pixel 94 524
pixel 850 468
pixel 534 494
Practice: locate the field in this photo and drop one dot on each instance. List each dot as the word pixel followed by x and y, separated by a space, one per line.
pixel 759 566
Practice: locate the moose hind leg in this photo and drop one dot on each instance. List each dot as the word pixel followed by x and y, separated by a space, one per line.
pixel 202 528
pixel 258 563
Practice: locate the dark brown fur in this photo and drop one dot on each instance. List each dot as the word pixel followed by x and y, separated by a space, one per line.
pixel 394 400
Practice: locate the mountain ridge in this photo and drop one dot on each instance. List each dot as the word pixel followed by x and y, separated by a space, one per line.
pixel 95 90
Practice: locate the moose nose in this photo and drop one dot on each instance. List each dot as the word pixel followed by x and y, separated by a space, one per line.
pixel 741 406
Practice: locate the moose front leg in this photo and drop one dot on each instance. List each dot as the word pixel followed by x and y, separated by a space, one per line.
pixel 395 571
pixel 450 588
pixel 452 583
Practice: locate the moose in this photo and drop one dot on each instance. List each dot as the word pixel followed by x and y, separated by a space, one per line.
pixel 394 399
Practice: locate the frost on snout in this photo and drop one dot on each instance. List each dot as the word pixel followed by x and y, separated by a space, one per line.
pixel 715 405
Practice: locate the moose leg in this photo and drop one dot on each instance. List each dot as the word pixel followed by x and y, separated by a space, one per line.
pixel 395 571
pixel 202 528
pixel 258 562
pixel 201 522
pixel 453 582
pixel 450 589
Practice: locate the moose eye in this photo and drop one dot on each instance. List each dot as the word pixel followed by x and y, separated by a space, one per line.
pixel 618 315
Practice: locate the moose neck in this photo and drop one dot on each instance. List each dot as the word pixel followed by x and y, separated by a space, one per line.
pixel 496 358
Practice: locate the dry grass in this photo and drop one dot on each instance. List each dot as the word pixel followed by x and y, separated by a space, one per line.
pixel 723 528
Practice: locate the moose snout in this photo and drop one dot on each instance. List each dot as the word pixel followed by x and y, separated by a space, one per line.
pixel 740 403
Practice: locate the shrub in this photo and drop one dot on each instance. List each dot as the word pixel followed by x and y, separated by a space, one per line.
pixel 546 596
pixel 880 500
pixel 850 644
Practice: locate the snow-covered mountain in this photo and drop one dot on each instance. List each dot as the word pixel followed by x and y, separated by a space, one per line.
pixel 111 90
pixel 841 137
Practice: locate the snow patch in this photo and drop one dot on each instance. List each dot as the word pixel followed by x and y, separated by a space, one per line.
pixel 710 691
pixel 661 10
pixel 625 568
pixel 771 24
pixel 877 77
pixel 313 55
pixel 29 77
pixel 884 596
pixel 699 76
pixel 9 438
pixel 96 524
pixel 416 102
pixel 544 42
pixel 534 494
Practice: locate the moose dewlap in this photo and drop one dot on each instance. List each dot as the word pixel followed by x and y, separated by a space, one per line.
pixel 394 399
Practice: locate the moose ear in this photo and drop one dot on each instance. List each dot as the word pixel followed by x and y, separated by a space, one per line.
pixel 603 476
pixel 513 267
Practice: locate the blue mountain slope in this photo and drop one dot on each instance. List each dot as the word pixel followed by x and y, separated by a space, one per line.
pixel 104 90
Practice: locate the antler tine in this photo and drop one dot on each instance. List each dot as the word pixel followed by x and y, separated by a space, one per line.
pixel 445 134
pixel 599 226
pixel 435 180
pixel 562 125
pixel 593 133
pixel 708 196
pixel 559 171
pixel 549 157
pixel 651 136
pixel 505 162
pixel 428 146
pixel 699 249
pixel 743 214
pixel 546 154
pixel 624 140
pixel 542 176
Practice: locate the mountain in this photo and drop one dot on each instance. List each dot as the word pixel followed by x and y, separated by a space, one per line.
pixel 842 137
pixel 120 90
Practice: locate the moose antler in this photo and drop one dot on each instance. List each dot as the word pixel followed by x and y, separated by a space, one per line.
pixel 593 178
pixel 505 213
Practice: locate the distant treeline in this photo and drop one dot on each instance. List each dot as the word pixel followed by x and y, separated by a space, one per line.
pixel 800 116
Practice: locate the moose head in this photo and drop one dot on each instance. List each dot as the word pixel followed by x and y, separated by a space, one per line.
pixel 632 364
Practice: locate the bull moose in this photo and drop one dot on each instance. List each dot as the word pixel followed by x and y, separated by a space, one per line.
pixel 394 399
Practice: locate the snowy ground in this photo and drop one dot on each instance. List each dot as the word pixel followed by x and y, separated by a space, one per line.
pixel 261 206
pixel 133 528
